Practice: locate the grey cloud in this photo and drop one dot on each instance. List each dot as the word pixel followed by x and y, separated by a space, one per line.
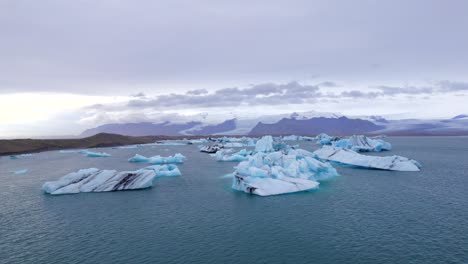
pixel 112 47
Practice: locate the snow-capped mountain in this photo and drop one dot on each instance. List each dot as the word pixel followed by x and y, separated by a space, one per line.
pixel 307 123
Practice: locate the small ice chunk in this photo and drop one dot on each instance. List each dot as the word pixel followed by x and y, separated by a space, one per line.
pixel 92 154
pixel 23 171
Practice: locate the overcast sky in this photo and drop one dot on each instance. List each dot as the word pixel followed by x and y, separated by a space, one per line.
pixel 69 65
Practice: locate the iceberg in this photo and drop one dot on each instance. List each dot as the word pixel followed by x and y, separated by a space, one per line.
pixel 177 158
pixel 265 144
pixel 360 143
pixel 324 139
pixel 350 157
pixel 95 154
pixel 23 171
pixel 292 138
pixel 169 170
pixel 227 155
pixel 95 180
pixel 275 173
pixel 211 148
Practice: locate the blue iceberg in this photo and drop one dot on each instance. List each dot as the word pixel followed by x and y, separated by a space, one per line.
pixel 361 143
pixel 23 171
pixel 278 172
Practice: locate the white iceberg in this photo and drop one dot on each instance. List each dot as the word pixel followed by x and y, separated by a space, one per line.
pixel 95 180
pixel 91 154
pixel 177 158
pixel 278 173
pixel 23 171
pixel 350 157
pixel 362 143
pixel 265 144
pixel 227 155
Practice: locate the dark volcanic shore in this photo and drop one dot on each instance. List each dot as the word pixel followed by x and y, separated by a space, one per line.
pixel 18 146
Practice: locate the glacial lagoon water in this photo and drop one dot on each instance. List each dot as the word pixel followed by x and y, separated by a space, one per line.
pixel 363 216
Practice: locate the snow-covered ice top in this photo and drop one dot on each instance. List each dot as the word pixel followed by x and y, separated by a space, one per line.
pixel 279 172
pixel 177 158
pixel 350 157
pixel 363 143
pixel 95 180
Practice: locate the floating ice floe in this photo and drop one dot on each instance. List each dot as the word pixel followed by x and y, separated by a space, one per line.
pixel 350 157
pixel 72 151
pixel 20 156
pixel 23 171
pixel 177 158
pixel 227 155
pixel 91 154
pixel 362 143
pixel 95 180
pixel 211 148
pixel 127 147
pixel 275 173
pixel 170 143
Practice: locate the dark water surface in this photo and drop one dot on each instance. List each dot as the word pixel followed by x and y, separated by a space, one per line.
pixel 364 216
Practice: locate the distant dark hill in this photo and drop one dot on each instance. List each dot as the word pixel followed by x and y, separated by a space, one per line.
pixel 225 126
pixel 14 146
pixel 460 117
pixel 314 126
pixel 141 129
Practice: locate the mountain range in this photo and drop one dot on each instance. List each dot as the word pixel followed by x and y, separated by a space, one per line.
pixel 307 123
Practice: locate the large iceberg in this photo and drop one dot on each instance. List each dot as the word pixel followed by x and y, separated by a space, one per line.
pixel 362 143
pixel 177 158
pixel 275 173
pixel 227 155
pixel 350 157
pixel 92 154
pixel 95 180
